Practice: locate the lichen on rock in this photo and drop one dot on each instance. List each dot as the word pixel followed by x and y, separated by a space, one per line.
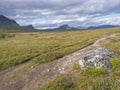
pixel 97 58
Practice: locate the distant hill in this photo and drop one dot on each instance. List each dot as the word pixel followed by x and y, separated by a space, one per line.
pixel 7 23
pixel 28 27
pixel 67 27
pixel 103 26
pixel 63 27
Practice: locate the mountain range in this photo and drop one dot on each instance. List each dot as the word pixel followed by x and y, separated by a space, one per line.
pixel 67 27
pixel 10 23
pixel 103 26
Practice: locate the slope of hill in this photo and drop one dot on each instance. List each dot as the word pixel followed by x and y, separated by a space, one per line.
pixel 10 25
pixel 7 23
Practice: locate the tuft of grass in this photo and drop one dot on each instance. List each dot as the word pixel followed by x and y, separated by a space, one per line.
pixel 93 72
pixel 2 35
pixel 76 66
pixel 61 83
pixel 115 63
pixel 108 83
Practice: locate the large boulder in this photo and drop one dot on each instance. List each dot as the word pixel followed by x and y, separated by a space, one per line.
pixel 97 58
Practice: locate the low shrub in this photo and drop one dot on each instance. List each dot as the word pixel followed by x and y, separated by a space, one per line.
pixel 6 35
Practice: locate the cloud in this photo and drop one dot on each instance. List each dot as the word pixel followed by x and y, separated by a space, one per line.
pixel 52 13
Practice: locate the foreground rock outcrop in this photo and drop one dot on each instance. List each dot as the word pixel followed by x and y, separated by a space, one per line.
pixel 97 58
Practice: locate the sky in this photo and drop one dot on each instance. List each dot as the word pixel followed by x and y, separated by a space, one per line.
pixel 52 13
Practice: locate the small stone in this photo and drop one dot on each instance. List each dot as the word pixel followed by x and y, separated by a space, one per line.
pixel 61 71
pixel 54 68
pixel 48 70
pixel 32 66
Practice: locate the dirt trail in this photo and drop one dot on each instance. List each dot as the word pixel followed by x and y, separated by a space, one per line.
pixel 37 77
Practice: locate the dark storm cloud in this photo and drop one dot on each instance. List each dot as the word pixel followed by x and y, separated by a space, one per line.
pixel 56 12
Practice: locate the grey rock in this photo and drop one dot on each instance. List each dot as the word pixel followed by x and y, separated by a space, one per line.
pixel 97 58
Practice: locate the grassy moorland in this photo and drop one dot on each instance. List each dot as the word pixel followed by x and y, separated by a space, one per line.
pixel 42 47
pixel 92 79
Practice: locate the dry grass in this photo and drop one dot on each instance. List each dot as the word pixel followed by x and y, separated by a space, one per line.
pixel 92 79
pixel 42 47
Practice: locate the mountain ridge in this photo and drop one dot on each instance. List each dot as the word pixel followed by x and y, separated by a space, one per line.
pixel 6 22
pixel 67 27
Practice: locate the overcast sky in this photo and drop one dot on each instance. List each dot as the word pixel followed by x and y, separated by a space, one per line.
pixel 52 13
